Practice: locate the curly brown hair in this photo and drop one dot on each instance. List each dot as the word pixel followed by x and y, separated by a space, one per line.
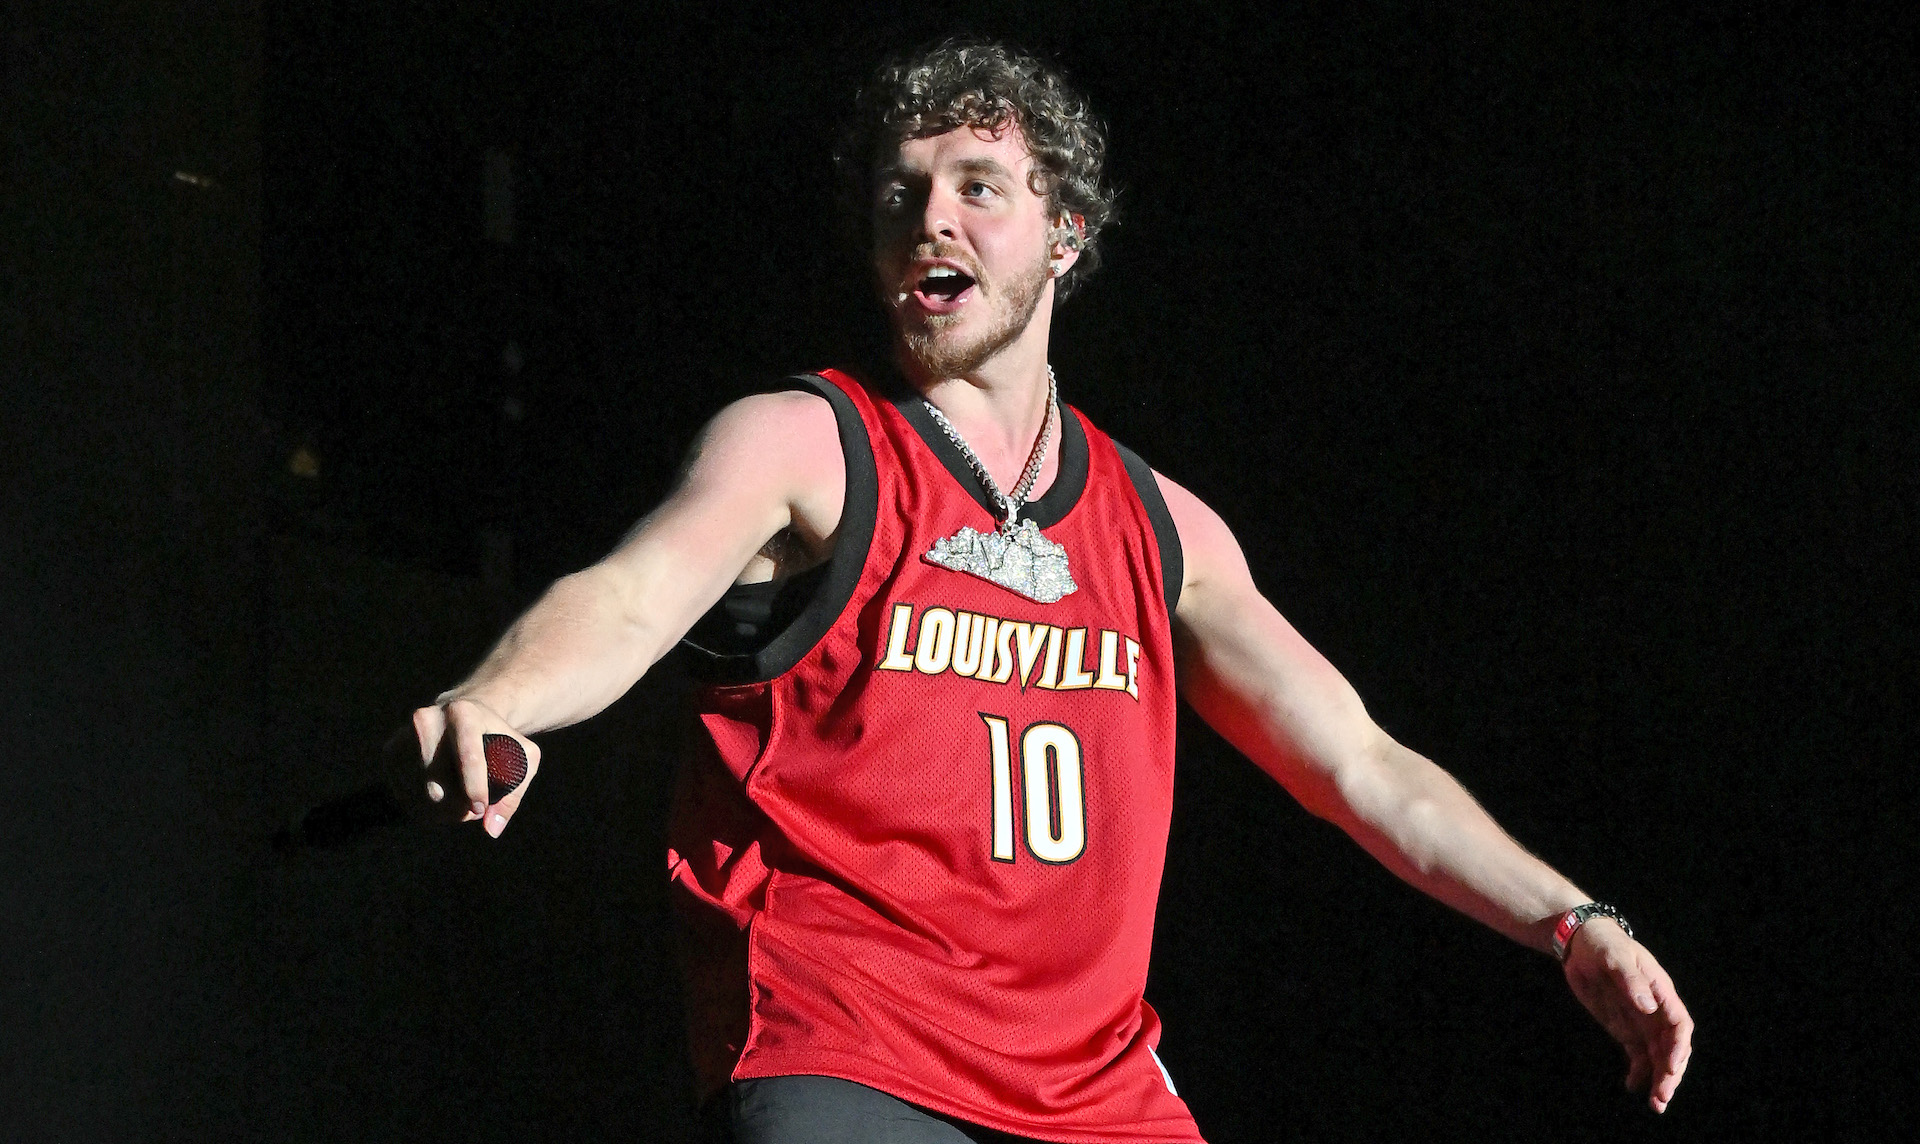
pixel 979 83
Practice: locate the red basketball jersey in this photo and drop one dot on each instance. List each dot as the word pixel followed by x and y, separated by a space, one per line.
pixel 937 822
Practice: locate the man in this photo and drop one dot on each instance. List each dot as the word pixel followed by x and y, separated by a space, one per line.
pixel 920 847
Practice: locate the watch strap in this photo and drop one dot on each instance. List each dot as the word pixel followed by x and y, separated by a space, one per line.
pixel 1571 921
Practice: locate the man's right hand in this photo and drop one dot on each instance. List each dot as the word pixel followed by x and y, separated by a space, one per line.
pixel 454 762
pixel 767 463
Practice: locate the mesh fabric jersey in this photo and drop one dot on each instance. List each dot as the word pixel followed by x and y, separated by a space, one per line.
pixel 920 841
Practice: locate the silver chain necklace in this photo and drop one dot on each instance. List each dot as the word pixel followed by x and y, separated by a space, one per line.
pixel 1009 502
pixel 1016 555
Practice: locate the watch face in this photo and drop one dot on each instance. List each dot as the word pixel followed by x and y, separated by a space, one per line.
pixel 1563 932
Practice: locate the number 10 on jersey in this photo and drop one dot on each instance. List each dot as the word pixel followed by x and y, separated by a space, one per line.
pixel 1051 786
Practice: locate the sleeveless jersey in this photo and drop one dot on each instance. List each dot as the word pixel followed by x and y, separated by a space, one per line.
pixel 922 835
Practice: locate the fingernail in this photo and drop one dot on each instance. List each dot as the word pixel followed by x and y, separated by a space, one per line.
pixel 434 793
pixel 479 808
pixel 496 824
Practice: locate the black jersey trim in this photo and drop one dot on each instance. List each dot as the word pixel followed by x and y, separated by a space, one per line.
pixel 830 593
pixel 1173 568
pixel 1047 511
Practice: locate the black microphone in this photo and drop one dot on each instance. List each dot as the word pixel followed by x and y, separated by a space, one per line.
pixel 374 807
pixel 335 823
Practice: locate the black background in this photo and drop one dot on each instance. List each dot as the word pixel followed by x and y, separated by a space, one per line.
pixel 1554 364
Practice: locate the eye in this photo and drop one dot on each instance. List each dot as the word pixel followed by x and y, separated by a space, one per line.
pixel 898 197
pixel 978 189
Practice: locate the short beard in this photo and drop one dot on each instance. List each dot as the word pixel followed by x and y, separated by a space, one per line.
pixel 941 359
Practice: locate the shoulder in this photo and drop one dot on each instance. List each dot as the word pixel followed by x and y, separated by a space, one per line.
pixel 1234 646
pixel 794 422
pixel 1214 572
pixel 784 445
pixel 767 437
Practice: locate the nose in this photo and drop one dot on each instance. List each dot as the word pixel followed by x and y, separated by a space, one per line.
pixel 937 217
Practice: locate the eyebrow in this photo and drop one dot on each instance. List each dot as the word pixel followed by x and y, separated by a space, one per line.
pixel 984 167
pixel 965 167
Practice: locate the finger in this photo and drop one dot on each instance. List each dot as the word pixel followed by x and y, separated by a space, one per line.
pixel 1644 1027
pixel 1657 1023
pixel 1602 990
pixel 1625 1029
pixel 1659 1055
pixel 470 760
pixel 1638 1068
pixel 1655 1027
pixel 429 725
pixel 1677 1041
pixel 1672 1009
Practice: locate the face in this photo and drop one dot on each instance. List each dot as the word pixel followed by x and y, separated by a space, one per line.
pixel 961 247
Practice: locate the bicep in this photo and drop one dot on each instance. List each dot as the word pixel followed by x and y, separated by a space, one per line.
pixel 762 464
pixel 1250 674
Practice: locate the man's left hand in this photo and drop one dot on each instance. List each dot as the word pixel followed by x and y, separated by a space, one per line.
pixel 1625 989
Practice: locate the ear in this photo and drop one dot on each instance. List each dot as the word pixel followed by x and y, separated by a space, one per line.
pixel 1067 238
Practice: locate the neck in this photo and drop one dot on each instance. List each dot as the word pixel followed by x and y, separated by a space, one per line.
pixel 999 406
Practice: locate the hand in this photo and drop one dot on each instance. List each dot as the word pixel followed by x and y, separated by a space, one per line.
pixel 1625 989
pixel 455 762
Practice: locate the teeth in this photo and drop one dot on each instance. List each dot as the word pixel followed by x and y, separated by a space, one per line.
pixel 943 272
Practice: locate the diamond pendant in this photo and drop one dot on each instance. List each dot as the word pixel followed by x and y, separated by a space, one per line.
pixel 1022 560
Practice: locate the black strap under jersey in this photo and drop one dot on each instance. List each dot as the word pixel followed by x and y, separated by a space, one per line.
pixel 758 631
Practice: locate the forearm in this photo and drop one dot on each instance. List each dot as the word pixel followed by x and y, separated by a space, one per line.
pixel 1420 823
pixel 579 648
pixel 1269 693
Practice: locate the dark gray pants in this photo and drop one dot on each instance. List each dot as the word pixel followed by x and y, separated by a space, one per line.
pixel 827 1110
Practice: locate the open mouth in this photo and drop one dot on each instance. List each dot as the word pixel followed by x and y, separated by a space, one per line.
pixel 943 289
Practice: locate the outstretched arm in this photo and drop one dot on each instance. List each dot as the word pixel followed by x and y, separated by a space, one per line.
pixel 765 464
pixel 1268 692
